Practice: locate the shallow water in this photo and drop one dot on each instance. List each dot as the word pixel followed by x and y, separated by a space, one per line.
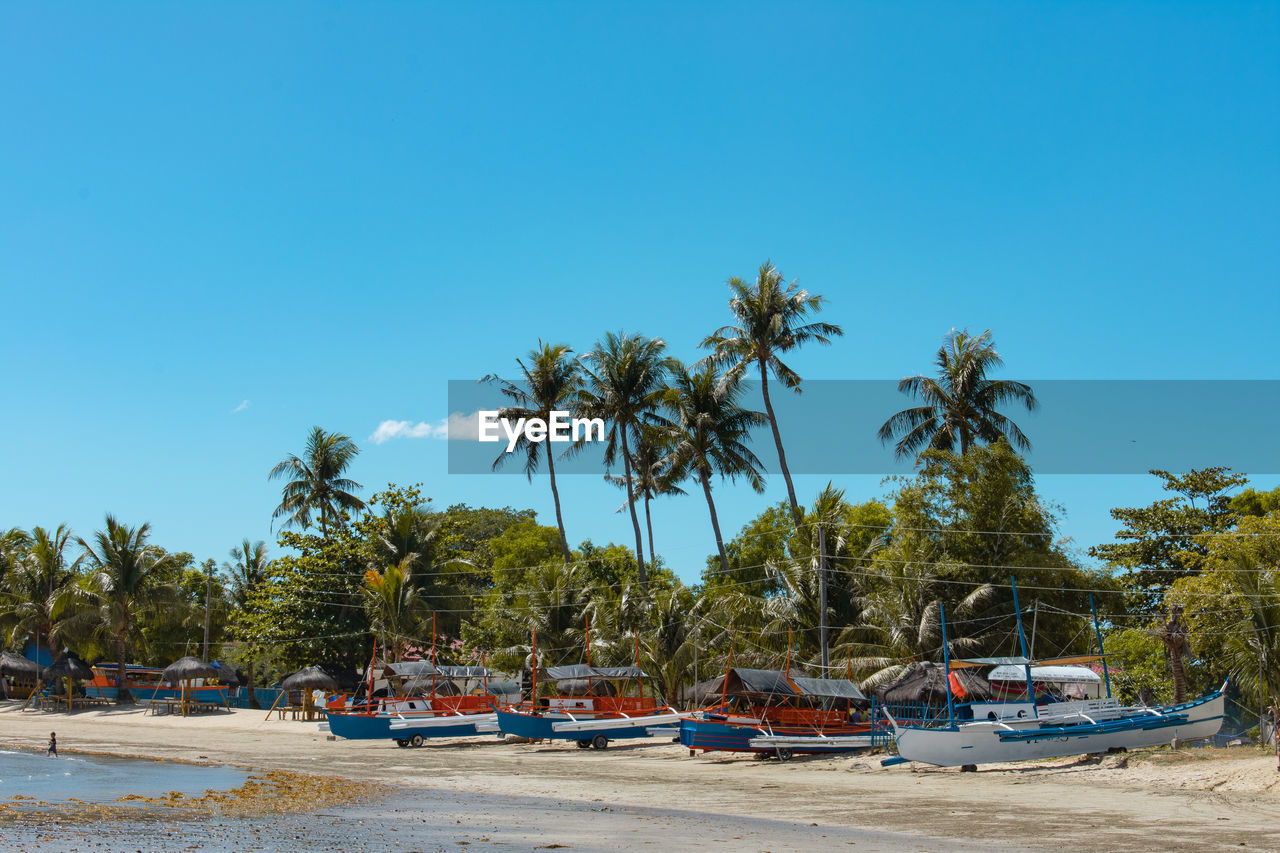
pixel 102 779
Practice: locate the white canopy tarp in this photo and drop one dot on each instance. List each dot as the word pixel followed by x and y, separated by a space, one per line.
pixel 1056 674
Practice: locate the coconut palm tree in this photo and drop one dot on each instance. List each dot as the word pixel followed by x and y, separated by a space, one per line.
pixel 315 482
pixel 1174 636
pixel 625 379
pixel 395 605
pixel 710 430
pixel 549 383
pixel 38 578
pixel 551 603
pixel 1252 640
pixel 14 543
pixel 771 319
pixel 960 403
pixel 248 571
pixel 125 587
pixel 652 473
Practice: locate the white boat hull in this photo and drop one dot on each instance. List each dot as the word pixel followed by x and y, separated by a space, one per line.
pixel 811 742
pixel 649 721
pixel 988 742
pixel 482 722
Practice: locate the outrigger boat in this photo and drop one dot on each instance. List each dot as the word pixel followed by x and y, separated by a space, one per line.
pixel 1024 728
pixel 777 712
pixel 434 701
pixel 602 713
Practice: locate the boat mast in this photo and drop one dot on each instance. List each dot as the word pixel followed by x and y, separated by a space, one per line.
pixel 433 654
pixel 1022 640
pixel 946 667
pixel 724 687
pixel 587 618
pixel 640 678
pixel 1106 676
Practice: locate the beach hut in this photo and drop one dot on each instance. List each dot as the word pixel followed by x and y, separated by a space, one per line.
pixel 185 670
pixel 17 674
pixel 306 679
pixel 68 668
pixel 920 690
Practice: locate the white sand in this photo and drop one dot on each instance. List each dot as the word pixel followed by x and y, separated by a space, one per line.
pixel 1209 800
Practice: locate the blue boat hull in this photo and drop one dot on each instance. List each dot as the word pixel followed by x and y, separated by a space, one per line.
pixel 713 735
pixel 540 728
pixel 378 727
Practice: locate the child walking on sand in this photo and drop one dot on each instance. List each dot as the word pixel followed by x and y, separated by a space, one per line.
pixel 53 745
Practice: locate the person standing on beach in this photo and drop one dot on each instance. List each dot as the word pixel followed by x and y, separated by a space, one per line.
pixel 53 745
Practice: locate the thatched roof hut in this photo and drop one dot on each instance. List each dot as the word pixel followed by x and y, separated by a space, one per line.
pixel 187 668
pixel 310 678
pixel 69 666
pixel 17 667
pixel 924 681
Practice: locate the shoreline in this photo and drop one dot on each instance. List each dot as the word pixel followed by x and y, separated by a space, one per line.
pixel 1197 799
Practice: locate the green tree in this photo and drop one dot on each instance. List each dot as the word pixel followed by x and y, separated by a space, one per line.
pixel 653 475
pixel 124 588
pixel 395 606
pixel 549 383
pixel 36 582
pixel 625 380
pixel 710 431
pixel 14 543
pixel 1170 538
pixel 771 322
pixel 960 404
pixel 315 482
pixel 247 570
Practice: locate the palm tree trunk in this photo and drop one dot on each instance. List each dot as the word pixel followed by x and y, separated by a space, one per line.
pixel 122 682
pixel 796 515
pixel 648 523
pixel 248 685
pixel 715 521
pixel 631 505
pixel 1179 677
pixel 555 496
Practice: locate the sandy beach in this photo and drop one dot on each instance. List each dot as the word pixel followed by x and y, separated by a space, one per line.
pixel 527 795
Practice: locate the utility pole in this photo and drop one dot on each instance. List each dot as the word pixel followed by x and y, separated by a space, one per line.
pixel 822 594
pixel 208 597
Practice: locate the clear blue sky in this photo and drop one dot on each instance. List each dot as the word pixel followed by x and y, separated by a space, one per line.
pixel 328 210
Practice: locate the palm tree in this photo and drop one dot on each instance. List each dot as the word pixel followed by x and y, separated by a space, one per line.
pixel 625 376
pixel 14 543
pixel 315 482
pixel 125 587
pixel 960 404
pixel 653 475
pixel 711 430
pixel 248 571
pixel 38 578
pixel 1174 636
pixel 771 317
pixel 395 605
pixel 550 382
pixel 1252 641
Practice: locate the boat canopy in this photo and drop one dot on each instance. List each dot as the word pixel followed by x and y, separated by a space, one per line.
pixel 837 688
pixel 504 688
pixel 1060 674
pixel 464 671
pixel 412 668
pixel 581 670
pixel 763 681
pixel 964 663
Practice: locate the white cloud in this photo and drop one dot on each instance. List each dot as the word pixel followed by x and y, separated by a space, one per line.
pixel 456 426
pixel 244 404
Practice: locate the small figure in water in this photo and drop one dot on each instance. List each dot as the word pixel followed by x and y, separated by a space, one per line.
pixel 53 745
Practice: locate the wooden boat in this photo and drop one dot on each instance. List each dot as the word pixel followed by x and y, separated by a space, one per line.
pixel 431 702
pixel 600 713
pixel 1027 728
pixel 778 712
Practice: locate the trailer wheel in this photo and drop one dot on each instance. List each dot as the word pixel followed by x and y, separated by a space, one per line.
pixel 583 744
pixel 785 753
pixel 600 742
pixel 401 743
pixel 416 740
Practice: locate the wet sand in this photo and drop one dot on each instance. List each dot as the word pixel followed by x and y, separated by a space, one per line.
pixel 525 796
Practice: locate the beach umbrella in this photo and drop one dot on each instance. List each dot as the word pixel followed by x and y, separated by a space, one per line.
pixel 183 671
pixel 308 679
pixel 69 667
